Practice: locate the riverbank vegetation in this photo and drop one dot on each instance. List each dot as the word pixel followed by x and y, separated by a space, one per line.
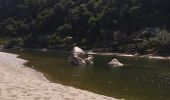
pixel 118 25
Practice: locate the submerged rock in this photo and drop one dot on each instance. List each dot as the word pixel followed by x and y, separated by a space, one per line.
pixel 44 49
pixel 79 57
pixel 115 63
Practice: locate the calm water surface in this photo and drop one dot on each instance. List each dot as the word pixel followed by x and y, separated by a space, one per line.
pixel 141 79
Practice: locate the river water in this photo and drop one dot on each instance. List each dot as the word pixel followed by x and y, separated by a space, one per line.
pixel 140 79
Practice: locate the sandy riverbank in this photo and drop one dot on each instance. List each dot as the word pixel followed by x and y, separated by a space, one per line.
pixel 151 56
pixel 18 82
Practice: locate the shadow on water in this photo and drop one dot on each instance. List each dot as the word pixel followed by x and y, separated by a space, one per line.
pixel 140 79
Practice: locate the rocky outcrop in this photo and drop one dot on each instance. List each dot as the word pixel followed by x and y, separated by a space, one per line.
pixel 75 60
pixel 78 52
pixel 115 63
pixel 79 57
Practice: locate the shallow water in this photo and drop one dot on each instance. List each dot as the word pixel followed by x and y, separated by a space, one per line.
pixel 140 79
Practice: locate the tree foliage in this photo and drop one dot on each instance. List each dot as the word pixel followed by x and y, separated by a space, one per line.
pixel 90 21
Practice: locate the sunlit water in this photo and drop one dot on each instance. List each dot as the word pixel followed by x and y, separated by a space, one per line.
pixel 140 79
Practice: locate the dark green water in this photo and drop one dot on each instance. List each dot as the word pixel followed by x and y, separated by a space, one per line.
pixel 141 79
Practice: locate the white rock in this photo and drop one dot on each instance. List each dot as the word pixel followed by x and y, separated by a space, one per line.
pixel 77 51
pixel 79 57
pixel 115 63
pixel 89 60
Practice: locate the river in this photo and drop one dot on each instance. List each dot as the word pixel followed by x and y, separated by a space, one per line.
pixel 140 79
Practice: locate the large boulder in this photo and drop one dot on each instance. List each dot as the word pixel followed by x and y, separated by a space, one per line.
pixel 115 63
pixel 79 57
pixel 78 52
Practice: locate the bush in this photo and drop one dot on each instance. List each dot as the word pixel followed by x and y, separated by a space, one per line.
pixel 14 42
pixel 2 41
pixel 162 38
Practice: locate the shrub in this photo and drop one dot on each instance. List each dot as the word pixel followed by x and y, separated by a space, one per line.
pixel 162 38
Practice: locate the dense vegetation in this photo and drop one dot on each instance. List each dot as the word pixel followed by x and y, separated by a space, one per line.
pixel 124 25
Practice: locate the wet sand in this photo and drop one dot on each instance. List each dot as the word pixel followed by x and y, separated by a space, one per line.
pixel 18 82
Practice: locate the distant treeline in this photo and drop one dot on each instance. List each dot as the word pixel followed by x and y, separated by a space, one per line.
pixel 126 25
